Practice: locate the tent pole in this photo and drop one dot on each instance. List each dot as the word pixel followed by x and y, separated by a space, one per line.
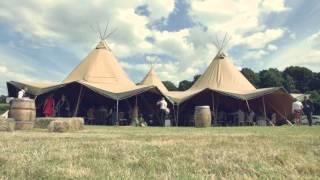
pixel 174 113
pixel 78 102
pixel 117 118
pixel 248 106
pixel 177 114
pixel 288 122
pixel 264 111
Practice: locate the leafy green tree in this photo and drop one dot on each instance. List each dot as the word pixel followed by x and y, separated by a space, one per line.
pixel 315 97
pixel 301 76
pixel 251 76
pixel 271 78
pixel 2 99
pixel 315 82
pixel 289 84
pixel 169 85
pixel 184 85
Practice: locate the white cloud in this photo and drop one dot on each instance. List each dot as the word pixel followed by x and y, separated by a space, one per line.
pixel 255 55
pixel 272 47
pixel 274 5
pixel 305 52
pixel 3 69
pixel 261 39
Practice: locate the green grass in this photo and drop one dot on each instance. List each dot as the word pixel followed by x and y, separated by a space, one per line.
pixel 3 108
pixel 162 153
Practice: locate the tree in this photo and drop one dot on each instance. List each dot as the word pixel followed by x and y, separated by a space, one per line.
pixel 251 76
pixel 315 82
pixel 289 84
pixel 271 78
pixel 184 85
pixel 169 85
pixel 301 76
pixel 315 97
pixel 2 99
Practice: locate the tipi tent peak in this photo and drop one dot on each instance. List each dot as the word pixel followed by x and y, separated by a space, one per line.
pixel 152 79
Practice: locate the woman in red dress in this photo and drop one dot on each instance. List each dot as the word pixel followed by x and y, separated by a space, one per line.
pixel 48 108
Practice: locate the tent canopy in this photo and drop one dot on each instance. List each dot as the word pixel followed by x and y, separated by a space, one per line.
pixel 152 79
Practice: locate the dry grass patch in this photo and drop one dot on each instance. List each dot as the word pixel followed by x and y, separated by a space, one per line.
pixel 162 153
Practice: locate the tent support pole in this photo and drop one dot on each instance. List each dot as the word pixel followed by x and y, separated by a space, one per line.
pixel 177 114
pixel 288 122
pixel 248 106
pixel 264 111
pixel 213 108
pixel 117 118
pixel 78 102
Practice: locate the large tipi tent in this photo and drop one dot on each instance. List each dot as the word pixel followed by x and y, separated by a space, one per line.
pixel 98 76
pixel 223 85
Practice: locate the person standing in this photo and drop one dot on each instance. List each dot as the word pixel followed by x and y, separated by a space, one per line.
pixel 297 108
pixel 22 93
pixel 48 107
pixel 308 109
pixel 63 107
pixel 162 103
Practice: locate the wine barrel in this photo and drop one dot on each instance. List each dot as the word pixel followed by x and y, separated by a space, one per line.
pixel 202 116
pixel 23 110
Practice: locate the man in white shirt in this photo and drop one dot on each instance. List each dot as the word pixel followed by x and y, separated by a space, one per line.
pixel 22 93
pixel 162 103
pixel 297 108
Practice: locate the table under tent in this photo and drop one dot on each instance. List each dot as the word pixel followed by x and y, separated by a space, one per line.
pixel 97 81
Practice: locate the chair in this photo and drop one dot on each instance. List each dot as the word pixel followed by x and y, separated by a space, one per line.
pixel 122 119
pixel 250 118
pixel 101 116
pixel 241 118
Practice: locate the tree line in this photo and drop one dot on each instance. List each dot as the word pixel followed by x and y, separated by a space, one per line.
pixel 294 79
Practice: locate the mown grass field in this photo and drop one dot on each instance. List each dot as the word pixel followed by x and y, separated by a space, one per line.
pixel 162 153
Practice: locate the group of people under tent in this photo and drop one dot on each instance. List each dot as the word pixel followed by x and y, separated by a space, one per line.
pixel 305 107
pixel 103 115
pixel 51 107
pixel 235 117
pixel 245 118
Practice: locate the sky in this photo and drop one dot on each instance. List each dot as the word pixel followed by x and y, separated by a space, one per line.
pixel 43 40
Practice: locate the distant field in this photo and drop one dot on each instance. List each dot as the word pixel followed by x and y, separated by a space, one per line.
pixel 3 108
pixel 162 153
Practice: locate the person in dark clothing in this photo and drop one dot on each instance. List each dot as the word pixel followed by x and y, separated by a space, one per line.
pixel 63 107
pixel 308 109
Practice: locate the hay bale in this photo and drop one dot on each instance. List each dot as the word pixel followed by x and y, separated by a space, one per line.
pixel 24 125
pixel 43 123
pixel 58 126
pixel 7 124
pixel 66 125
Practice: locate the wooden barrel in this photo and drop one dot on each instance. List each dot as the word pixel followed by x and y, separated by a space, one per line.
pixel 202 116
pixel 23 110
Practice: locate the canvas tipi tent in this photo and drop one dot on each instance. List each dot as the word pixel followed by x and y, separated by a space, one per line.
pixel 99 75
pixel 222 84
